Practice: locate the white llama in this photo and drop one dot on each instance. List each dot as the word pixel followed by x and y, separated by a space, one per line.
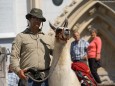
pixel 62 74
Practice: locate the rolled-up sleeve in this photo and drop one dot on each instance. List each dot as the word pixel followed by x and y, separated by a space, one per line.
pixel 15 53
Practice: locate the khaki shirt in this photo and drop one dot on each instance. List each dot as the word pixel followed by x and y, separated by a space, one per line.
pixel 30 50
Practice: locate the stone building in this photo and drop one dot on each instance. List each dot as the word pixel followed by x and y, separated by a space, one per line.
pixel 100 14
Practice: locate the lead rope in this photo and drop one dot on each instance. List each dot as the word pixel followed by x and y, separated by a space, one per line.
pixel 51 71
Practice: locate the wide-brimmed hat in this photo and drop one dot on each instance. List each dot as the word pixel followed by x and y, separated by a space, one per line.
pixel 37 13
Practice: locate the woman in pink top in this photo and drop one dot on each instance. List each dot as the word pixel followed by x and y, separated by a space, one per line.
pixel 94 50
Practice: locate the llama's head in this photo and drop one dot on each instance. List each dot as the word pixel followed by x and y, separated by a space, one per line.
pixel 62 33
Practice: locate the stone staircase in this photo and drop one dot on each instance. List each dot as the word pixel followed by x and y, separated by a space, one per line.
pixel 106 84
pixel 105 78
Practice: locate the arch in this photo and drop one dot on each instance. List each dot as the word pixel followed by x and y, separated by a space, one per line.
pixel 99 15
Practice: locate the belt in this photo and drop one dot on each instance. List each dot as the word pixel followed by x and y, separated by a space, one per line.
pixel 81 60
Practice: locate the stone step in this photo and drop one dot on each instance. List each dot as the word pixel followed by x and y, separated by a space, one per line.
pixel 106 78
pixel 113 84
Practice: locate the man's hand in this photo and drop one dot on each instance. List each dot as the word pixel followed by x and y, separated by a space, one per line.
pixel 21 74
pixel 85 57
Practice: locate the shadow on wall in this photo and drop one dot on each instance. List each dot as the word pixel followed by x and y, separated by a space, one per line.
pixel 6 41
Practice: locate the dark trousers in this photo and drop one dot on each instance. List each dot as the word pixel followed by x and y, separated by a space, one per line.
pixel 30 82
pixel 93 64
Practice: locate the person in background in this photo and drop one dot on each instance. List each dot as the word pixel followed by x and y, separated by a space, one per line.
pixel 79 57
pixel 32 49
pixel 13 79
pixel 78 49
pixel 94 54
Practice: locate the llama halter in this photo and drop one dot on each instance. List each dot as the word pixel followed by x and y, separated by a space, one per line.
pixel 62 33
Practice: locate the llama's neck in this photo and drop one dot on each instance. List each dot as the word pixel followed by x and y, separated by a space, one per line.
pixel 62 52
pixel 62 74
pixel 58 48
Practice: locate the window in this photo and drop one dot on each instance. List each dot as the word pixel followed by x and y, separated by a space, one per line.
pixel 57 2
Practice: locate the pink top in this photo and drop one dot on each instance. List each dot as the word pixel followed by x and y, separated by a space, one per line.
pixel 94 47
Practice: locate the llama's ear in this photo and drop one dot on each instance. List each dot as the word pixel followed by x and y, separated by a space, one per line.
pixel 52 26
pixel 65 22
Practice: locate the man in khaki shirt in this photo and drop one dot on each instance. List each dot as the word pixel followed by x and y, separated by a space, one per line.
pixel 31 48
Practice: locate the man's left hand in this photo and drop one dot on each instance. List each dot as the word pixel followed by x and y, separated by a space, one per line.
pixel 98 57
pixel 85 57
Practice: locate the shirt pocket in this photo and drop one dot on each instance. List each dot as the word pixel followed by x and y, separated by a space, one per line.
pixel 82 49
pixel 27 45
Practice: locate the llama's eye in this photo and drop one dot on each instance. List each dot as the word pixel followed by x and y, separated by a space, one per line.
pixel 58 31
pixel 67 32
